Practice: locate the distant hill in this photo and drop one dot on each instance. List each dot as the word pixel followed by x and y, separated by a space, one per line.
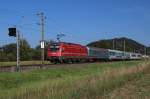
pixel 130 45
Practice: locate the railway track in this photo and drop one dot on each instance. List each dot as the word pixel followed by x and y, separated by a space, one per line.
pixel 37 66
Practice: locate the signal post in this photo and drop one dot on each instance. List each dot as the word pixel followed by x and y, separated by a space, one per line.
pixel 15 33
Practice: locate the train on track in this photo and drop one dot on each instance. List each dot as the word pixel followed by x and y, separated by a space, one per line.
pixel 62 52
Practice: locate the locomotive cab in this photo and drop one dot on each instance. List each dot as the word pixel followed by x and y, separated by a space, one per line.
pixel 54 47
pixel 54 52
pixel 66 52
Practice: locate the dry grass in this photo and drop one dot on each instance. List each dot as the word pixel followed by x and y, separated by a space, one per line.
pixel 93 86
pixel 138 88
pixel 98 86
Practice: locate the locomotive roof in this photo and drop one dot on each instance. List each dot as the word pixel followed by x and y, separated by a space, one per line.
pixel 57 43
pixel 97 48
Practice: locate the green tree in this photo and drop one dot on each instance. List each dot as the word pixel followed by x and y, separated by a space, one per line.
pixel 9 52
pixel 25 50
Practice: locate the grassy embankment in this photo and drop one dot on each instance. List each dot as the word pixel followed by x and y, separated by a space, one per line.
pixel 22 63
pixel 91 81
pixel 138 88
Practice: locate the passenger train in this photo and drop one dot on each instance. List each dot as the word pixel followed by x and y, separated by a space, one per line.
pixel 62 52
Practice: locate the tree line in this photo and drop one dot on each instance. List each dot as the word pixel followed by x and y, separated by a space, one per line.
pixel 130 45
pixel 8 52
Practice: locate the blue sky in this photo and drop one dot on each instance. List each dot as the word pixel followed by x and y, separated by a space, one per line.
pixel 82 21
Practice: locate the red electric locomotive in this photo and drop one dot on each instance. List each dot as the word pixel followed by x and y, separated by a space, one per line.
pixel 62 52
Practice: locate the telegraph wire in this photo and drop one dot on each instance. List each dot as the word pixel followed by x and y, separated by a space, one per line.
pixel 24 15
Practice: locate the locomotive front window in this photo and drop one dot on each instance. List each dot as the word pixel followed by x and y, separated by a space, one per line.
pixel 54 48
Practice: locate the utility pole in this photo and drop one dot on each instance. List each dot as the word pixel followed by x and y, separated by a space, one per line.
pixel 1 51
pixel 124 48
pixel 144 50
pixel 18 50
pixel 124 44
pixel 113 44
pixel 42 23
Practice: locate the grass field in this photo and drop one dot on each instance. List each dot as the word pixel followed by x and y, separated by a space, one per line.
pixel 22 63
pixel 138 88
pixel 92 81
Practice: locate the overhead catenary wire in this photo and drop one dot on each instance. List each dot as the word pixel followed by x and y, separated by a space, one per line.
pixel 25 16
pixel 26 23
